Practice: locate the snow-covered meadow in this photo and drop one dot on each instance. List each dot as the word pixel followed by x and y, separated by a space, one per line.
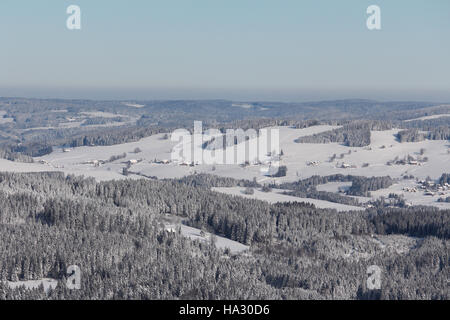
pixel 302 160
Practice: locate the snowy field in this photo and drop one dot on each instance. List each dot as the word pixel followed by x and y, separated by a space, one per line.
pixel 334 186
pixel 276 196
pixel 102 114
pixel 133 105
pixel 220 242
pixel 3 119
pixel 156 148
pixel 402 187
pixel 80 161
pixel 155 155
pixel 383 148
pixel 12 166
pixel 34 284
pixel 436 116
pixel 413 198
pixel 297 157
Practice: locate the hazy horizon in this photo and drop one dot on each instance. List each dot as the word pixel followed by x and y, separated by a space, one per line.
pixel 237 50
pixel 275 95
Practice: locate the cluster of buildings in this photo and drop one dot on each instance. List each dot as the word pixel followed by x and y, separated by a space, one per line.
pixel 56 166
pixel 345 165
pixel 411 161
pixel 95 163
pixel 98 163
pixel 410 189
pixel 431 188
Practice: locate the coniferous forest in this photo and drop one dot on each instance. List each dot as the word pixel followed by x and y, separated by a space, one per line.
pixel 114 231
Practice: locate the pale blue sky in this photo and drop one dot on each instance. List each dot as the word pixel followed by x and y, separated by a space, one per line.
pixel 245 49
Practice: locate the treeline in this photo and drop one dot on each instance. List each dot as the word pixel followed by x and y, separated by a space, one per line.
pixel 112 136
pixel 324 195
pixel 354 134
pixel 416 222
pixel 410 135
pixel 6 152
pixel 102 121
pixel 260 123
pixel 414 135
pixel 209 181
pixel 313 181
pixel 439 133
pixel 445 178
pixel 362 185
pixel 23 152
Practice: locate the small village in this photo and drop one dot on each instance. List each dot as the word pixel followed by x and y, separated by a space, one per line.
pixel 430 188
